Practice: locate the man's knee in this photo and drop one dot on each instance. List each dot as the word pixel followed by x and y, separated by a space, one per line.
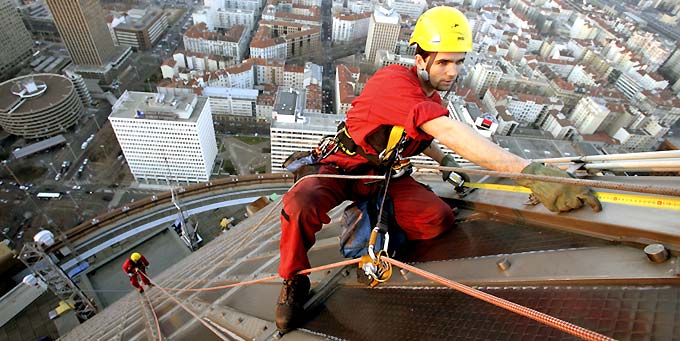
pixel 305 205
pixel 442 215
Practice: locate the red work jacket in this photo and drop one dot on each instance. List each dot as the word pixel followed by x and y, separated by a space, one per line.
pixel 130 266
pixel 392 96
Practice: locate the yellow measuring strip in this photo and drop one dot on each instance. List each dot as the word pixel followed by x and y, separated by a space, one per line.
pixel 615 198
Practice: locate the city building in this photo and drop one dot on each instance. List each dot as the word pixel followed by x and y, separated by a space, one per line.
pixel 347 87
pixel 80 86
pixel 589 114
pixel 409 8
pixel 483 77
pixel 268 71
pixel 142 28
pixel 349 27
pixel 635 140
pixel 84 31
pixel 231 102
pixel 191 80
pixel 525 108
pixel 671 69
pixel 293 129
pixel 301 76
pixel 557 124
pixel 165 138
pixel 633 82
pixel 383 32
pixel 39 22
pixel 39 105
pixel 16 40
pixel 183 62
pixel 284 39
pixel 385 58
pixel 225 18
pixel 231 44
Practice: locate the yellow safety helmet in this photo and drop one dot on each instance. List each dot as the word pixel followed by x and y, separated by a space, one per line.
pixel 135 256
pixel 442 29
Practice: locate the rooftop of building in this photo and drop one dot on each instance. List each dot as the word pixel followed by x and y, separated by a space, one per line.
pixel 384 15
pixel 219 91
pixel 141 19
pixel 200 31
pixel 312 122
pixel 48 90
pixel 158 106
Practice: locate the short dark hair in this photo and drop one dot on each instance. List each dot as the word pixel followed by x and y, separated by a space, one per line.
pixel 424 54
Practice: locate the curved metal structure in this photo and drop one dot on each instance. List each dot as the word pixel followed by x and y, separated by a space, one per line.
pixel 38 106
pixel 115 215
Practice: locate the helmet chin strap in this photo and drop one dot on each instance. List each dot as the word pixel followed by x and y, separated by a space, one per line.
pixel 425 74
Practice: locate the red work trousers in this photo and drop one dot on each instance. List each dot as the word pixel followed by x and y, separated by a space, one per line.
pixel 418 211
pixel 135 282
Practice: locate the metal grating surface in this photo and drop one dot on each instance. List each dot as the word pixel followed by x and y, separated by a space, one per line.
pixel 624 313
pixel 488 237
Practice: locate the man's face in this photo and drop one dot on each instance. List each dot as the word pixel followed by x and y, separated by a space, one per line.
pixel 444 69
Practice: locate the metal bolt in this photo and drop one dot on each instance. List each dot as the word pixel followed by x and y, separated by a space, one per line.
pixel 657 253
pixel 404 274
pixel 503 264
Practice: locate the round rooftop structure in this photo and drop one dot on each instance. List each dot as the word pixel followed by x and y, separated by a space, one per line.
pixel 39 105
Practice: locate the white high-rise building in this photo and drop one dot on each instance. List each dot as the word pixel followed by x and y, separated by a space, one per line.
pixel 483 77
pixel 348 27
pixel 165 138
pixel 589 114
pixel 293 130
pixel 383 32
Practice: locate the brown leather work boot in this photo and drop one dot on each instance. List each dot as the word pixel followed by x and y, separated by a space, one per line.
pixel 290 305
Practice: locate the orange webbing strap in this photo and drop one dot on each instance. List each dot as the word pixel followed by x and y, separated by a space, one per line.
pixel 505 304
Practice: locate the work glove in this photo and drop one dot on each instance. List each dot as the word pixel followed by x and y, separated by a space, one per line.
pixel 555 196
pixel 453 178
pixel 130 274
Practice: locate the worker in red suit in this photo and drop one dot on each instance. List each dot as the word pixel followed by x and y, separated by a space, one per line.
pixel 135 267
pixel 397 96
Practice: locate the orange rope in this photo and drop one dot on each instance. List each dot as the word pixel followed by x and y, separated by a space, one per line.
pixel 155 317
pixel 505 304
pixel 191 312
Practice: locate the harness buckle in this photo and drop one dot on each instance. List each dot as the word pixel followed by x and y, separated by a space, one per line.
pixel 327 146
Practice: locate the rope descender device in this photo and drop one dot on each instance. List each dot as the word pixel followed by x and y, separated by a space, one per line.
pixel 374 267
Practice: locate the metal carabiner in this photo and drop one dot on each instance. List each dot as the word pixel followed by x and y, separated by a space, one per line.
pixel 373 239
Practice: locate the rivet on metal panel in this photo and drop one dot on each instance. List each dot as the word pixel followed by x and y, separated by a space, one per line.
pixel 404 274
pixel 657 253
pixel 503 264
